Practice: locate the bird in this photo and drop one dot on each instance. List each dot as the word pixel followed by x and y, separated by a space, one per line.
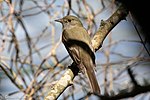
pixel 78 43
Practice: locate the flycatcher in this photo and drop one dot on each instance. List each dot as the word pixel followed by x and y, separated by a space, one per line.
pixel 78 44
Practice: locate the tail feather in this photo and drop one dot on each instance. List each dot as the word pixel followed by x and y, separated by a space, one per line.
pixel 92 79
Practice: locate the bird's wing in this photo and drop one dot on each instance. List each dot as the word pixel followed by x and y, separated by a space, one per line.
pixel 77 44
pixel 73 50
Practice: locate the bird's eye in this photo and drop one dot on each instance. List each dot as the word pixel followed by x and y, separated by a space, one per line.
pixel 69 20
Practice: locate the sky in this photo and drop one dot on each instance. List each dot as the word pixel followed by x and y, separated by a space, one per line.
pixel 124 32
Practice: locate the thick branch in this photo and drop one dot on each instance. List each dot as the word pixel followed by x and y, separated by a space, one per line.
pixel 59 87
pixel 107 26
pixel 136 90
pixel 122 95
pixel 63 83
pixel 97 40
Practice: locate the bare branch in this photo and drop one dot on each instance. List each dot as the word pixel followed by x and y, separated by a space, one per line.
pixel 107 26
pixel 134 92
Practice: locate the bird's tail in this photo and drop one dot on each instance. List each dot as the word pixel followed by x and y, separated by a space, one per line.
pixel 92 79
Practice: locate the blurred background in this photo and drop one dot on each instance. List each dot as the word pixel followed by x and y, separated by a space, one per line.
pixel 33 58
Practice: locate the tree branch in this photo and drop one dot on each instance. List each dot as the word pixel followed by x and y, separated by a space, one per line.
pixel 135 91
pixel 132 77
pixel 105 28
pixel 122 95
pixel 63 83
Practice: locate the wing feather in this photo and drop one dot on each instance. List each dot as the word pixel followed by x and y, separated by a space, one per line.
pixel 72 50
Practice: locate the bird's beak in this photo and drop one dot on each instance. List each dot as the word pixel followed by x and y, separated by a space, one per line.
pixel 59 20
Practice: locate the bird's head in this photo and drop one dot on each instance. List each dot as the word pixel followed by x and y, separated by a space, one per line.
pixel 69 22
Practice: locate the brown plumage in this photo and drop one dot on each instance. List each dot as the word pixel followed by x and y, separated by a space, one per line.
pixel 78 44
